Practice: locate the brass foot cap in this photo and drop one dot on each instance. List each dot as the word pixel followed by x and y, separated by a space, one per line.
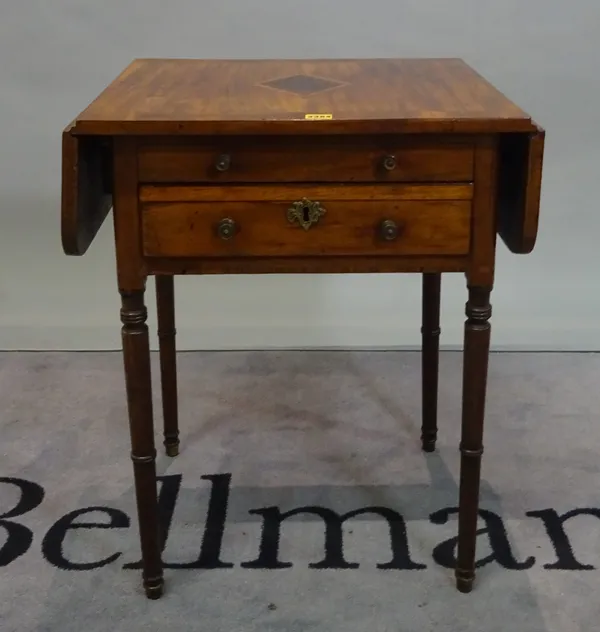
pixel 154 588
pixel 464 584
pixel 172 450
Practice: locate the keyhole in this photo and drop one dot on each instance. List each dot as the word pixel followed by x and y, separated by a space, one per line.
pixel 305 214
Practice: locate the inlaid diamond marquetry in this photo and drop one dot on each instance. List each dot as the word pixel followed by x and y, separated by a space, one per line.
pixel 303 85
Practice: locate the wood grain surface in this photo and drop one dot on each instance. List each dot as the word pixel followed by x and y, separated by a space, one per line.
pixel 308 159
pixel 86 190
pixel 279 192
pixel 521 158
pixel 327 264
pixel 189 96
pixel 349 227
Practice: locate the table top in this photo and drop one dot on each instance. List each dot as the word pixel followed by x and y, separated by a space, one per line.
pixel 189 96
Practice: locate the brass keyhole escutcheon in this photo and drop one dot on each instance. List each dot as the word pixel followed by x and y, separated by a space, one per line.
pixel 306 213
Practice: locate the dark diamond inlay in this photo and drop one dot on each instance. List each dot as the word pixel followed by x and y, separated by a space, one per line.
pixel 303 84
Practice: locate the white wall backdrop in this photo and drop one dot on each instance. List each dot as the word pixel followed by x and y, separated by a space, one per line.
pixel 56 55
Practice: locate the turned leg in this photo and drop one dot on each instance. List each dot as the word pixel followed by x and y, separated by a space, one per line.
pixel 136 355
pixel 165 303
pixel 476 352
pixel 430 332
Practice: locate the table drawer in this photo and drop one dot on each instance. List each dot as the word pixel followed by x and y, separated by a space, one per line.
pixel 305 221
pixel 387 159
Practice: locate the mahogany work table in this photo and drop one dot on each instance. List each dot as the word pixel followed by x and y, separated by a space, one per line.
pixel 308 166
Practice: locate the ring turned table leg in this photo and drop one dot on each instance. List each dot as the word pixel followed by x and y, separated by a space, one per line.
pixel 430 332
pixel 136 355
pixel 165 303
pixel 476 353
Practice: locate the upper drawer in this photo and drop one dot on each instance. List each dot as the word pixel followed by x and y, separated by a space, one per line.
pixel 293 159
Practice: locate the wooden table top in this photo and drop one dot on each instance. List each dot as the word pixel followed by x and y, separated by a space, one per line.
pixel 188 96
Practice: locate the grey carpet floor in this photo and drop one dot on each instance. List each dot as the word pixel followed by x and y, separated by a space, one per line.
pixel 318 434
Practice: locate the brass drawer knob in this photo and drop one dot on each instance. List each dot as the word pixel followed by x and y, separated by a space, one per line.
pixel 305 213
pixel 223 162
pixel 226 229
pixel 389 230
pixel 389 163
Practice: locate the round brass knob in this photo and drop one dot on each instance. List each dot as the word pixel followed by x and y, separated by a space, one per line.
pixel 389 230
pixel 389 163
pixel 226 229
pixel 223 162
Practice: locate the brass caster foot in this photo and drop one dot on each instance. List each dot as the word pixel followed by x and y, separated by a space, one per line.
pixel 464 581
pixel 154 587
pixel 428 445
pixel 172 449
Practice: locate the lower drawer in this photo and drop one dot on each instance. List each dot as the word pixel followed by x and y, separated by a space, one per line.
pixel 337 222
